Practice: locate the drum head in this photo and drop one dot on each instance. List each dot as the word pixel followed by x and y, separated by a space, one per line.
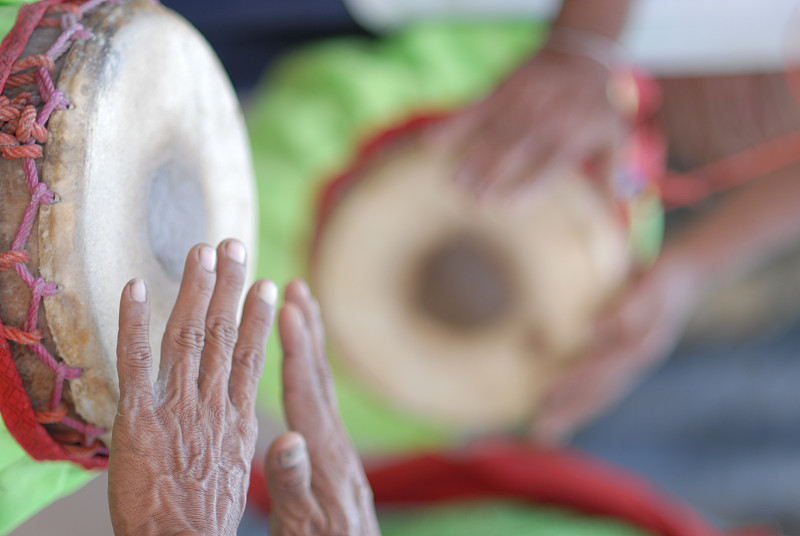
pixel 457 312
pixel 151 158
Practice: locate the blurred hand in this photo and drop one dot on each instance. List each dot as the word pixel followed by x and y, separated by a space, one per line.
pixel 631 337
pixel 182 447
pixel 315 479
pixel 553 111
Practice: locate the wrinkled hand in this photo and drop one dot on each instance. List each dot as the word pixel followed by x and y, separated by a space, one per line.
pixel 552 112
pixel 315 478
pixel 633 336
pixel 182 446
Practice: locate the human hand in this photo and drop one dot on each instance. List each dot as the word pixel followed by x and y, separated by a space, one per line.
pixel 631 337
pixel 182 447
pixel 315 479
pixel 553 111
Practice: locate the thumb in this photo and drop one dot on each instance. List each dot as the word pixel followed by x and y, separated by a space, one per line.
pixel 625 317
pixel 454 131
pixel 289 480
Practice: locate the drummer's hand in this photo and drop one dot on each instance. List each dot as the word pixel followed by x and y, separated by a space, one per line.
pixel 315 478
pixel 553 111
pixel 182 446
pixel 633 336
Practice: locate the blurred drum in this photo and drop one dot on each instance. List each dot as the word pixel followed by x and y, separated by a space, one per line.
pixel 458 312
pixel 149 158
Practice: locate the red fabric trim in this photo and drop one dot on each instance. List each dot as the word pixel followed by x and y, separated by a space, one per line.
pixel 506 470
pixel 20 419
pixel 14 43
pixel 333 190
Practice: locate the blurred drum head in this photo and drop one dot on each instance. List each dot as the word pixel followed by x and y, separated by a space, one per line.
pixel 459 313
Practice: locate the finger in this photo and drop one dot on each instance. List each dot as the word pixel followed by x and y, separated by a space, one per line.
pixel 605 162
pixel 562 149
pixel 221 330
pixel 288 469
pixel 511 163
pixel 628 316
pixel 298 293
pixel 455 131
pixel 516 117
pixel 303 398
pixel 589 388
pixel 489 142
pixel 529 181
pixel 574 401
pixel 583 404
pixel 184 335
pixel 134 358
pixel 248 357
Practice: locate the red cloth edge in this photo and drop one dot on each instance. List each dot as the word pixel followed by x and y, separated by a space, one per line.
pixel 20 419
pixel 519 471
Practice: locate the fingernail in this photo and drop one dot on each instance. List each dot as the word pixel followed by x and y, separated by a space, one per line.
pixel 236 251
pixel 267 291
pixel 208 258
pixel 293 456
pixel 138 291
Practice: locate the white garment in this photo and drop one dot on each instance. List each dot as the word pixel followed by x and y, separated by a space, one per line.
pixel 668 37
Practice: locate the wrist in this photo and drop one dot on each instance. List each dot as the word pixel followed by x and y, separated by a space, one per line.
pixel 603 17
pixel 586 44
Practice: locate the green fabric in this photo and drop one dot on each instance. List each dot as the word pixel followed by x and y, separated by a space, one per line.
pixel 306 122
pixel 27 486
pixel 647 228
pixel 8 14
pixel 497 519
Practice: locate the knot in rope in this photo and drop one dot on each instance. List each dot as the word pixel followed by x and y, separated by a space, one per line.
pixel 42 194
pixel 9 258
pixel 20 336
pixel 8 111
pixel 14 152
pixel 37 60
pixel 42 288
pixel 49 416
pixel 28 129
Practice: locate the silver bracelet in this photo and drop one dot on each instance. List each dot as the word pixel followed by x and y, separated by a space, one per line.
pixel 591 45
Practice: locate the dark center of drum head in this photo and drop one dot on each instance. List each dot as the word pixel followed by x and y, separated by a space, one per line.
pixel 176 218
pixel 464 283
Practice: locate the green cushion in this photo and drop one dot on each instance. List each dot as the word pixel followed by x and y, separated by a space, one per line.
pixel 27 486
pixel 497 519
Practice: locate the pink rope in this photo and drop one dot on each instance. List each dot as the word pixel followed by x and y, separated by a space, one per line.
pixel 52 100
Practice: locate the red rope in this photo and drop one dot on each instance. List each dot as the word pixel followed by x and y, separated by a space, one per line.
pixel 21 336
pixel 22 133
